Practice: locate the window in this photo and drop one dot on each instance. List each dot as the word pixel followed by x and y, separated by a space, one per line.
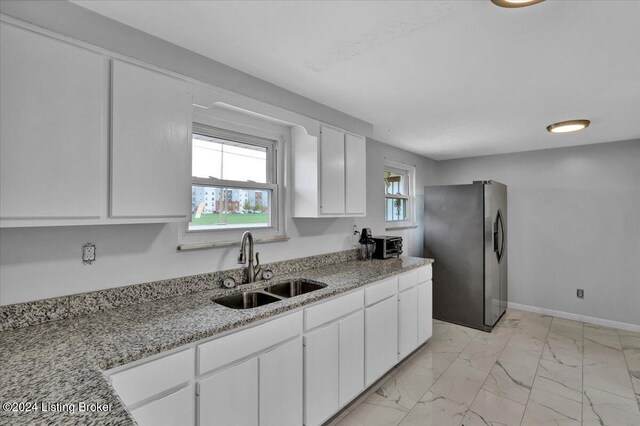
pixel 234 182
pixel 398 195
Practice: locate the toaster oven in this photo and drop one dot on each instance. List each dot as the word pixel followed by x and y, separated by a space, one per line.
pixel 387 246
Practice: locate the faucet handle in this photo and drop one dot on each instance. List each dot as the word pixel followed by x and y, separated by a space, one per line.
pixel 258 269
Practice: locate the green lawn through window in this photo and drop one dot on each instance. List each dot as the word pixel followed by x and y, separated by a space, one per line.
pixel 230 218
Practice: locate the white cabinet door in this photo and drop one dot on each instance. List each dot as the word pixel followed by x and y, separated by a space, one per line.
pixel 425 311
pixel 281 385
pixel 230 397
pixel 355 156
pixel 150 164
pixel 175 409
pixel 332 188
pixel 408 322
pixel 381 338
pixel 52 128
pixel 351 357
pixel 321 367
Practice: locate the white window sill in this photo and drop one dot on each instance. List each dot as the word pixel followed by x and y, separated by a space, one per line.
pixel 200 246
pixel 399 227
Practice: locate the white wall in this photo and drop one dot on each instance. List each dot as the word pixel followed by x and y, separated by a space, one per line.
pixel 574 222
pixel 37 263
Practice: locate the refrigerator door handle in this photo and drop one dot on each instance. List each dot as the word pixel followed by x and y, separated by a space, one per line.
pixel 498 234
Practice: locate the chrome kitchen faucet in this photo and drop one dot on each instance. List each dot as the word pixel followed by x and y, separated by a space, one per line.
pixel 252 271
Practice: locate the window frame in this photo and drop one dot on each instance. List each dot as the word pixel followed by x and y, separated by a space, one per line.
pixel 241 122
pixel 410 173
pixel 271 183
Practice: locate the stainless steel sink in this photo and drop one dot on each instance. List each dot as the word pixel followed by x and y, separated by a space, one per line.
pixel 247 300
pixel 273 293
pixel 294 288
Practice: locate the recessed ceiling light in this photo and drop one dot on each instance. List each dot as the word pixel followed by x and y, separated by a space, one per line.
pixel 515 3
pixel 568 126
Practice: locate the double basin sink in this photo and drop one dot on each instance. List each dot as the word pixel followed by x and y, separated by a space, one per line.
pixel 273 293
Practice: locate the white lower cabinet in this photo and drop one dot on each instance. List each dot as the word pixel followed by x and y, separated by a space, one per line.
pixel 172 410
pixel 334 367
pixel 351 357
pixel 407 322
pixel 265 390
pixel 425 311
pixel 381 338
pixel 321 362
pixel 230 397
pixel 281 385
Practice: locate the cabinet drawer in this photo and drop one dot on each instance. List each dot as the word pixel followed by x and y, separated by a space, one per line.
pixel 407 280
pixel 141 382
pixel 425 273
pixel 176 409
pixel 380 291
pixel 333 309
pixel 227 349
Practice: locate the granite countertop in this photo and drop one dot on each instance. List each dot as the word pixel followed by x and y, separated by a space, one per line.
pixel 62 362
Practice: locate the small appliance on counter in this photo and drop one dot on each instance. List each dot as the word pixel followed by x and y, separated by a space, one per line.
pixel 387 246
pixel 367 245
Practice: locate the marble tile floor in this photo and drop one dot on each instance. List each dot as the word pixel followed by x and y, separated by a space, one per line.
pixel 531 370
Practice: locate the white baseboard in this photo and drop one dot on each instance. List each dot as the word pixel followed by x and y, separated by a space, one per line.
pixel 577 317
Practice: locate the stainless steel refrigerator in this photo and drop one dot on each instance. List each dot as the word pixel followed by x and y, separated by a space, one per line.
pixel 465 231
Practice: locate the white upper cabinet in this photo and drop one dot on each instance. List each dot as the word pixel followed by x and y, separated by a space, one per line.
pixel 72 155
pixel 150 132
pixel 329 173
pixel 332 173
pixel 356 174
pixel 52 129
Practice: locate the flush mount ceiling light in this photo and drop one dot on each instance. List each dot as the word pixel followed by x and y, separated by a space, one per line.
pixel 568 126
pixel 515 3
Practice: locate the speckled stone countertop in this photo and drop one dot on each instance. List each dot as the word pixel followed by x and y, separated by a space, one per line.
pixel 62 362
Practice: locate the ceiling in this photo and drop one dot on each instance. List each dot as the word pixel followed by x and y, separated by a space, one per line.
pixel 446 79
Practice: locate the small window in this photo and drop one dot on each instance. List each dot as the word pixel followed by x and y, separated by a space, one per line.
pixel 398 194
pixel 233 181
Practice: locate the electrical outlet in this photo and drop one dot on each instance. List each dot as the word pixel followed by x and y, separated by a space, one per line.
pixel 580 293
pixel 88 253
